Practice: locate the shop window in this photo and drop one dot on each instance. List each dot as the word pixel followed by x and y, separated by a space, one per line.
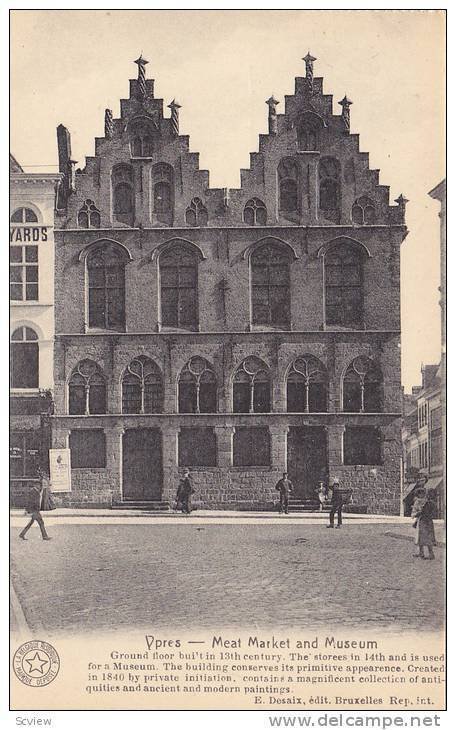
pixel 363 211
pixel 179 287
pixel 24 454
pixel 255 213
pixel 142 387
pixel 251 446
pixel 329 186
pixel 123 194
pixel 196 213
pixel 252 387
pixel 163 187
pixel 288 174
pixel 24 352
pixel 197 447
pixel 86 390
pixel 362 445
pixel 344 285
pixel 106 280
pixel 197 387
pixel 88 449
pixel 307 386
pixel 89 215
pixel 362 389
pixel 270 277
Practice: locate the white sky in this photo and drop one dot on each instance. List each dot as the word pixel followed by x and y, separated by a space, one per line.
pixel 68 66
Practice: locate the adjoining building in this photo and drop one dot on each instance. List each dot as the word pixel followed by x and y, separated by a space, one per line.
pixel 33 201
pixel 240 333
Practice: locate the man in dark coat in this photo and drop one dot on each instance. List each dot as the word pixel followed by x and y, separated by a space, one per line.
pixel 184 493
pixel 284 486
pixel 336 499
pixel 34 507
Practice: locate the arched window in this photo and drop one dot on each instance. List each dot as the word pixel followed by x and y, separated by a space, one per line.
pixel 123 194
pixel 142 387
pixel 106 280
pixel 142 132
pixel 288 174
pixel 86 390
pixel 307 386
pixel 89 215
pixel 163 182
pixel 197 387
pixel 344 285
pixel 252 387
pixel 329 198
pixel 24 371
pixel 24 215
pixel 362 391
pixel 255 212
pixel 308 132
pixel 179 287
pixel 363 211
pixel 196 213
pixel 270 278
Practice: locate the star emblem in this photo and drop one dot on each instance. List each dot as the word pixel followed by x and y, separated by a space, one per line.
pixel 36 664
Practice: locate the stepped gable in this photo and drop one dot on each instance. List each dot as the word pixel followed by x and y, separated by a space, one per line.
pixel 306 143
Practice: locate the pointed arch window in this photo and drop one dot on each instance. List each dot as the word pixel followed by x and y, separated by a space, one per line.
pixel 288 174
pixel 308 133
pixel 307 386
pixel 179 287
pixel 163 186
pixel 123 194
pixel 329 188
pixel 252 387
pixel 362 387
pixel 270 277
pixel 196 213
pixel 24 372
pixel 363 211
pixel 344 285
pixel 197 387
pixel 89 215
pixel 255 213
pixel 141 138
pixel 142 387
pixel 86 390
pixel 106 283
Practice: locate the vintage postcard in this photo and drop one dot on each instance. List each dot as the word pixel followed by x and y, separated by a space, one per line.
pixel 227 360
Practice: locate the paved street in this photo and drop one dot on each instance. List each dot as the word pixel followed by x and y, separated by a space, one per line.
pixel 108 576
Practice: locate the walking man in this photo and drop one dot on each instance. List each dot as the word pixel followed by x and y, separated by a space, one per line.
pixel 284 486
pixel 184 493
pixel 337 502
pixel 34 508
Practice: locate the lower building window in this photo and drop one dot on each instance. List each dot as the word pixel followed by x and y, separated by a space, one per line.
pixel 197 447
pixel 24 454
pixel 88 449
pixel 362 445
pixel 251 447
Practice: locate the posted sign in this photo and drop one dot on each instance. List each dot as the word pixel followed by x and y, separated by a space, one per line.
pixel 60 470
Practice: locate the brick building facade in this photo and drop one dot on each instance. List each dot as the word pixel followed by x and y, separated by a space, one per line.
pixel 237 332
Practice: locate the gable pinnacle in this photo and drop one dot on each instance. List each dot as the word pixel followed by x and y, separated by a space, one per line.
pixel 272 117
pixel 141 62
pixel 402 202
pixel 345 104
pixel 174 106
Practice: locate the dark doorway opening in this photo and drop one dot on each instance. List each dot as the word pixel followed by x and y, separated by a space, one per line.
pixel 307 459
pixel 142 472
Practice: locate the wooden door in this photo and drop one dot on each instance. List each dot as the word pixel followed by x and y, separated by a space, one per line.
pixel 307 459
pixel 142 465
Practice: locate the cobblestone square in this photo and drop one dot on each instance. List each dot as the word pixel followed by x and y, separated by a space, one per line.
pixel 94 577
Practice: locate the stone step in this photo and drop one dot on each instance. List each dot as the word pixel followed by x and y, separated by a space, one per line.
pixel 145 506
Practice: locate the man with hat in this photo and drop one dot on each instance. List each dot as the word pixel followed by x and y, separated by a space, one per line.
pixel 284 486
pixel 337 502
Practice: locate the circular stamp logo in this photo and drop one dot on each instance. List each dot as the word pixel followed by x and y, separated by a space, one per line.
pixel 36 663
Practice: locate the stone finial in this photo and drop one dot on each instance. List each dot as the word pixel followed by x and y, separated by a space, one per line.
pixel 141 62
pixel 272 117
pixel 346 104
pixel 402 202
pixel 309 61
pixel 175 106
pixel 108 124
